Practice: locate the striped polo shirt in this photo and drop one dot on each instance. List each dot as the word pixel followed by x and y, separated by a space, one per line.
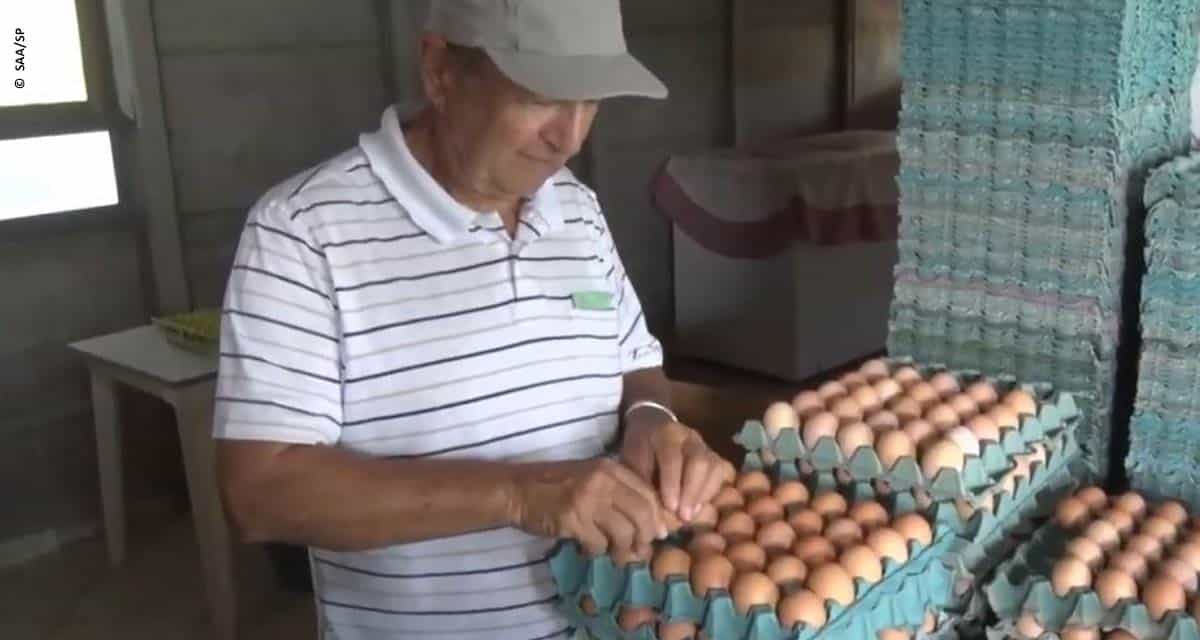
pixel 369 310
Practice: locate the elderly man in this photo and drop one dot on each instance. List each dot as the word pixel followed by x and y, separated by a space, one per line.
pixel 430 343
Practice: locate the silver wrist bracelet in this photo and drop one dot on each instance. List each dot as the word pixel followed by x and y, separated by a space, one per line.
pixel 652 405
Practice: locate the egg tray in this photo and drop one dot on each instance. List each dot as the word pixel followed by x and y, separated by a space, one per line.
pixel 1022 584
pixel 1057 413
pixel 900 599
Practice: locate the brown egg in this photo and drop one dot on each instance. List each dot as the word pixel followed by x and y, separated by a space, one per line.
pixel 814 550
pixel 728 499
pixel 1070 573
pixel 831 391
pixel 707 543
pixel 942 416
pixel 628 556
pixel 1029 627
pixel 1072 514
pixel 831 581
pixel 806 403
pixel 984 428
pixel 820 425
pixel 1021 401
pixel 894 634
pixel 764 508
pixel 944 383
pixel 1004 417
pixel 705 519
pixel 930 624
pixel 861 561
pixel 907 376
pixel 888 543
pixel 776 537
pixel 1130 563
pixel 1180 571
pixel 913 527
pixel 886 389
pixel 869 514
pixel 941 454
pixel 631 618
pixel 1094 497
pixel 780 416
pixel 924 394
pixel 1114 585
pixel 983 393
pixel 791 492
pixel 1131 503
pixel 919 430
pixel 1079 633
pixel 670 561
pixel 964 406
pixel 829 504
pixel 1104 534
pixel 737 526
pixel 711 572
pixel 802 607
pixel 1189 552
pixel 1087 550
pixel 1172 511
pixel 853 380
pixel 843 532
pixel 806 522
pixel 787 570
pixel 1162 595
pixel 965 439
pixel 867 398
pixel 1146 545
pixel 680 630
pixel 1120 634
pixel 905 408
pixel 1160 528
pixel 753 483
pixel 587 605
pixel 883 421
pixel 846 410
pixel 892 446
pixel 754 589
pixel 746 556
pixel 854 435
pixel 1119 519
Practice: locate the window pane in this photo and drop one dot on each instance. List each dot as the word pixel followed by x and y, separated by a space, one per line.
pixel 56 173
pixel 44 63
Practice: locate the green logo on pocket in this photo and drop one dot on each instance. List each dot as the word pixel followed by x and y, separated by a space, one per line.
pixel 592 300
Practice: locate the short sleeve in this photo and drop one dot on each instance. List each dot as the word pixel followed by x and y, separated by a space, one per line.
pixel 279 377
pixel 639 348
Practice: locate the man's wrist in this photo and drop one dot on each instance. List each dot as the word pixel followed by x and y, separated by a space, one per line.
pixel 650 406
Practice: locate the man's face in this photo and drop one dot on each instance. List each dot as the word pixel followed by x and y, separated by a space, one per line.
pixel 506 140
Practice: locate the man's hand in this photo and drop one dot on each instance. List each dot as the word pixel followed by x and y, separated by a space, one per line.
pixel 675 458
pixel 600 503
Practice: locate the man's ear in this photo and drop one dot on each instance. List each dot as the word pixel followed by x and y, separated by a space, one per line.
pixel 436 73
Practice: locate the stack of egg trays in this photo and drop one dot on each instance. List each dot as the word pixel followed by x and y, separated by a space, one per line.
pixel 900 599
pixel 1022 584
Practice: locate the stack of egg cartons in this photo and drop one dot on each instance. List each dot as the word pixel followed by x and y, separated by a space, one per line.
pixel 1026 128
pixel 1165 434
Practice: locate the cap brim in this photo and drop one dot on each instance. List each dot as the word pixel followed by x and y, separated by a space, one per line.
pixel 579 77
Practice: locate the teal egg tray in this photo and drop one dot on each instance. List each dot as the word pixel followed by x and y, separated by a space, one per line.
pixel 1022 584
pixel 1056 412
pixel 900 599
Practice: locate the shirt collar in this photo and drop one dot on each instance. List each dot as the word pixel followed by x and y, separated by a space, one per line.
pixel 433 209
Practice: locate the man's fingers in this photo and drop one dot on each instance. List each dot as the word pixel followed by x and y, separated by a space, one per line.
pixel 621 533
pixel 697 468
pixel 670 476
pixel 637 500
pixel 593 540
pixel 714 482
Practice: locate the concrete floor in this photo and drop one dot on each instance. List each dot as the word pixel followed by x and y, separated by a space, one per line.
pixel 73 594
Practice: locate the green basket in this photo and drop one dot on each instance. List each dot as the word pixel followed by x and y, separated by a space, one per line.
pixel 196 331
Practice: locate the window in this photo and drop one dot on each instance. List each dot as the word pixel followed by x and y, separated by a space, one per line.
pixel 55 141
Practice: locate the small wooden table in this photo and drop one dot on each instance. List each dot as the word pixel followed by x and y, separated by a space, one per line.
pixel 142 358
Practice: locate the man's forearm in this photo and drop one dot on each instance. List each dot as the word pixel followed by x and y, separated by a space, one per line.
pixel 645 385
pixel 335 499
